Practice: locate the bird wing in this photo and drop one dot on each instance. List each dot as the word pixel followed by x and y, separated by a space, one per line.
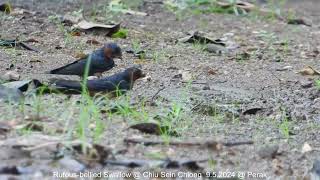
pixel 74 68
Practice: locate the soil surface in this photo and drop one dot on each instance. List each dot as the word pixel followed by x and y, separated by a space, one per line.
pixel 253 93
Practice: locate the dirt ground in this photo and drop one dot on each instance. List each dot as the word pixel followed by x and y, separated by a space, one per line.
pixel 253 94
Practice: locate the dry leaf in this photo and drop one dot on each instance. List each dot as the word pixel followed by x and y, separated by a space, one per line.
pixel 80 55
pixel 93 41
pixel 70 20
pixel 308 70
pixel 75 33
pixel 10 94
pixel 299 21
pixel 198 37
pixel 153 128
pixel 24 85
pixel 90 26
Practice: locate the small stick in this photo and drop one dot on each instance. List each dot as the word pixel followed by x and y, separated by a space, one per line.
pixel 197 105
pixel 180 143
pixel 154 96
pixel 194 82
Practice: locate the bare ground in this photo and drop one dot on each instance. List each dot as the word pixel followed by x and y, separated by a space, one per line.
pixel 212 104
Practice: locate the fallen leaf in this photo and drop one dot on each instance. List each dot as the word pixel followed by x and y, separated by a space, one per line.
pixel 31 40
pixel 308 70
pixel 70 20
pixel 24 85
pixel 75 33
pixel 252 111
pixel 306 148
pixel 198 37
pixel 16 43
pixel 299 21
pixel 80 55
pixel 92 153
pixel 107 30
pixel 10 94
pixel 221 45
pixel 153 128
pixel 93 41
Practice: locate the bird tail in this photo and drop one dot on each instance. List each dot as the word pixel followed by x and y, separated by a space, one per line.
pixel 67 86
pixel 55 71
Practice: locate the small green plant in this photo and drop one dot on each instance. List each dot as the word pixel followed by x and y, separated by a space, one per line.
pixel 285 126
pixel 120 5
pixel 89 114
pixel 201 46
pixel 201 7
pixel 136 47
pixel 122 33
pixel 317 83
pixel 68 38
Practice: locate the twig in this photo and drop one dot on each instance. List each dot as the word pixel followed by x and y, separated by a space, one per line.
pixel 147 142
pixel 48 144
pixel 154 96
pixel 280 80
pixel 197 105
pixel 27 47
pixel 194 82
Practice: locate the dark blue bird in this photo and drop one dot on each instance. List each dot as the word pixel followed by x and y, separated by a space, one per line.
pixel 101 61
pixel 119 82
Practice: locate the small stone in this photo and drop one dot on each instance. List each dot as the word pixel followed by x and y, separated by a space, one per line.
pixel 306 148
pixel 306 84
pixel 206 87
pixel 268 151
pixel 186 75
pixel 285 68
pixel 11 76
pixel 217 49
pixel 146 79
pixel 71 164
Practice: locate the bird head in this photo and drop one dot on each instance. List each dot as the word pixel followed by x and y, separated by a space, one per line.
pixel 112 50
pixel 134 73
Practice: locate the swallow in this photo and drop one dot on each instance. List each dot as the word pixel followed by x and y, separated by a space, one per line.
pixel 117 83
pixel 101 61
